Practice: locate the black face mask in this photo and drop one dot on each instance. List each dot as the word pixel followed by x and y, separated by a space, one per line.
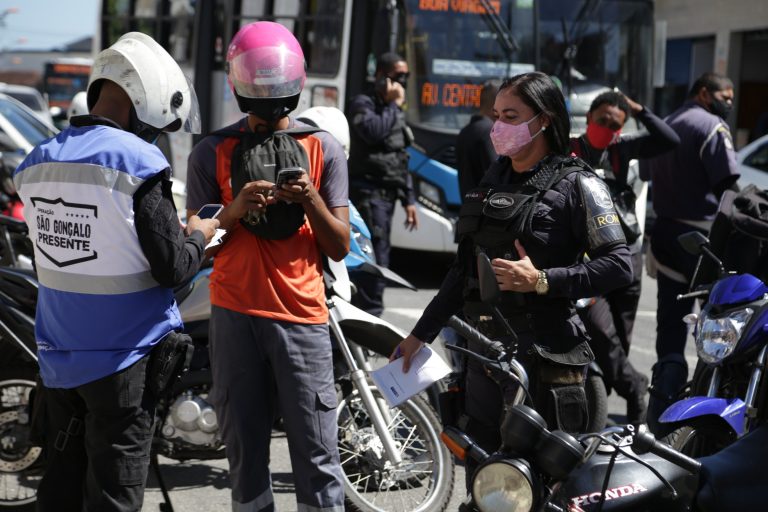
pixel 268 109
pixel 720 108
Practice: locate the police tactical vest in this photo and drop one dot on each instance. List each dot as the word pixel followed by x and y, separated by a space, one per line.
pixel 384 164
pixel 494 217
pixel 260 156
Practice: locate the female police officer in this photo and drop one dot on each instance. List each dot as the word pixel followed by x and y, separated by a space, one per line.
pixel 535 213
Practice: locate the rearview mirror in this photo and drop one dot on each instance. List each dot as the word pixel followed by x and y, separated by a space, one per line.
pixel 693 242
pixel 489 287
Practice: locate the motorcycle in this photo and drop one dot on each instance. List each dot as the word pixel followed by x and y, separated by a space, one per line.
pixel 617 469
pixel 392 457
pixel 538 469
pixel 726 397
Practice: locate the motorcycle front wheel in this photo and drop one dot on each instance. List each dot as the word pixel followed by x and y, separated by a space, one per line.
pixel 21 464
pixel 424 480
pixel 597 402
pixel 700 439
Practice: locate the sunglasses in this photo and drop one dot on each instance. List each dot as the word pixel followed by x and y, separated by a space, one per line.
pixel 400 77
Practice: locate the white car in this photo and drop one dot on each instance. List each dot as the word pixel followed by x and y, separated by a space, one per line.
pixel 30 97
pixel 20 130
pixel 752 161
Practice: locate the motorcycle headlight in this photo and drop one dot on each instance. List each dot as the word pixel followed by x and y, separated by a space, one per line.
pixel 364 242
pixel 716 338
pixel 503 486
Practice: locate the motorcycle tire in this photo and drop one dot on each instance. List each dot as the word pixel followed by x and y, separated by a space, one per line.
pixel 425 481
pixel 21 463
pixel 597 403
pixel 700 438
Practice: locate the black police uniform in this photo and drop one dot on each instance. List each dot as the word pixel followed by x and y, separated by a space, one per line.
pixel 558 211
pixel 378 170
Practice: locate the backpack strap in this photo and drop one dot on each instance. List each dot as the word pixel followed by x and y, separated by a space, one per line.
pixel 296 130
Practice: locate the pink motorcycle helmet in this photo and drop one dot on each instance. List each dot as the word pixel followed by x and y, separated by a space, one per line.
pixel 265 61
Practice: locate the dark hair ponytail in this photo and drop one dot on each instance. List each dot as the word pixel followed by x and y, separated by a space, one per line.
pixel 539 91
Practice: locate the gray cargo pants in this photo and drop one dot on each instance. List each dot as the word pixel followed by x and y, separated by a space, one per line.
pixel 259 364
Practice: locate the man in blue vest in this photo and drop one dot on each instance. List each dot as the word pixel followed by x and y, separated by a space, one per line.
pixel 108 248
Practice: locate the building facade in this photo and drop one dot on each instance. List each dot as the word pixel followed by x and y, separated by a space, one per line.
pixel 729 37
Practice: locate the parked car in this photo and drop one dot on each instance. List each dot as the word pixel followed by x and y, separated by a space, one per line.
pixel 752 160
pixel 30 97
pixel 20 130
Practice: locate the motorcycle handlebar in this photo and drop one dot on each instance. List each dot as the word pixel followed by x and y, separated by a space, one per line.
pixel 472 334
pixel 645 442
pixel 691 295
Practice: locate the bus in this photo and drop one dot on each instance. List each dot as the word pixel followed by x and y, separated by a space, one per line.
pixel 452 48
pixel 63 78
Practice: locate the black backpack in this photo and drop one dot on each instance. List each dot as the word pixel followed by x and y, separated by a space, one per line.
pixel 739 236
pixel 260 156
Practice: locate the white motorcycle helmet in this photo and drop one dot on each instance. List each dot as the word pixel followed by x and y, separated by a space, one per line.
pixel 162 97
pixel 331 120
pixel 78 106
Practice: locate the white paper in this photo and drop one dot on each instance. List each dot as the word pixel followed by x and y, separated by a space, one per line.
pixel 216 240
pixel 427 367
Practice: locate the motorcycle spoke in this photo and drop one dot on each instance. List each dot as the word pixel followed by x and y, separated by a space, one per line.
pixel 372 478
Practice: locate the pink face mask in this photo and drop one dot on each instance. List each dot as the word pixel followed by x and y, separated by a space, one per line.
pixel 509 139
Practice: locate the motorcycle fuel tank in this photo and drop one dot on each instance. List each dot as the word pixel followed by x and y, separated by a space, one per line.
pixel 631 486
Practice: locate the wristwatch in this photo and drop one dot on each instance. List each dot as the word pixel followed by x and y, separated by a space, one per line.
pixel 542 285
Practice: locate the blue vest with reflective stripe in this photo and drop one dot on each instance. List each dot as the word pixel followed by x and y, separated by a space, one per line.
pixel 99 309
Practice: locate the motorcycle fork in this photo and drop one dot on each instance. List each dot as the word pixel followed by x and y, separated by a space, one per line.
pixel 364 364
pixel 361 383
pixel 753 387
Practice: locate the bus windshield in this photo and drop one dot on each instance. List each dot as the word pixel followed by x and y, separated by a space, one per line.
pixel 453 48
pixel 593 45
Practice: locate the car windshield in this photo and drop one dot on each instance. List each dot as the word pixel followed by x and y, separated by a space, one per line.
pixel 30 100
pixel 25 122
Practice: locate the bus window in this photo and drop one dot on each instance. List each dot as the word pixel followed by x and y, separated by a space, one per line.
pixel 317 25
pixel 452 50
pixel 169 23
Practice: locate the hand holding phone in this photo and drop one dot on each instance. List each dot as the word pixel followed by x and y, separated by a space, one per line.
pixel 288 174
pixel 209 211
pixel 284 176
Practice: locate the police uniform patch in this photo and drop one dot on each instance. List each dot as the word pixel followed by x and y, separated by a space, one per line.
pixel 502 200
pixel 600 194
pixel 605 220
pixel 603 223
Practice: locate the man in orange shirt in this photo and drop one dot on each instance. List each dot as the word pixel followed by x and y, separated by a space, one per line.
pixel 269 336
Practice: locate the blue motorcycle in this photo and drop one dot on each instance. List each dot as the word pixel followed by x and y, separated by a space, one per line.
pixel 727 394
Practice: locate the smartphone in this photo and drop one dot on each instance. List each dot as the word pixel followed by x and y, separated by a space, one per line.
pixel 288 174
pixel 209 211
